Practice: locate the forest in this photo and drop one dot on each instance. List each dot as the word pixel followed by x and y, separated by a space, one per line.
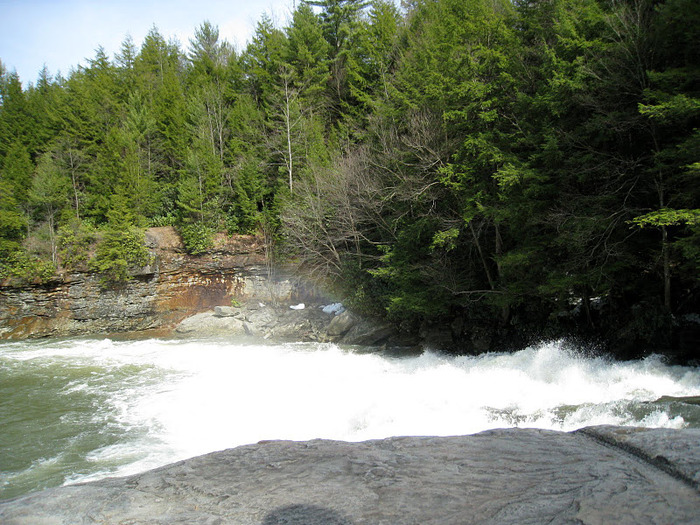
pixel 522 165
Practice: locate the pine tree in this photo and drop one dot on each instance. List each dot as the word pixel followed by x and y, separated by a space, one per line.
pixel 307 55
pixel 121 248
pixel 341 20
pixel 14 112
pixel 17 171
pixel 13 225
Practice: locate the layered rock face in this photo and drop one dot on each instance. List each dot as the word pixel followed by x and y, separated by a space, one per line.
pixel 597 475
pixel 175 286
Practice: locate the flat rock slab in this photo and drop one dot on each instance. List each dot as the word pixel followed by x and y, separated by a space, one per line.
pixel 500 477
pixel 675 452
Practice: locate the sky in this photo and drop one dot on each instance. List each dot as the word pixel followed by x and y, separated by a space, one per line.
pixel 64 33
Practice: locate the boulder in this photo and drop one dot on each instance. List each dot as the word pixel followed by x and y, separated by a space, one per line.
pixel 368 333
pixel 341 324
pixel 261 317
pixel 226 311
pixel 210 324
pixel 301 325
pixel 511 476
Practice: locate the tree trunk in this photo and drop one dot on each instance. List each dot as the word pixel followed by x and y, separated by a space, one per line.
pixel 289 134
pixel 52 238
pixel 505 310
pixel 74 180
pixel 666 256
pixel 481 255
pixel 665 252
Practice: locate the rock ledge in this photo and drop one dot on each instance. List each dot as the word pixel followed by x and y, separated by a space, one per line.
pixel 597 475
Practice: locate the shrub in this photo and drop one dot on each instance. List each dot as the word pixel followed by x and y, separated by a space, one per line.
pixel 197 237
pixel 118 252
pixel 26 269
pixel 75 241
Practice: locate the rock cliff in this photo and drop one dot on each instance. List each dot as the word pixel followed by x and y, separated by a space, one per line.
pixel 173 287
pixel 515 476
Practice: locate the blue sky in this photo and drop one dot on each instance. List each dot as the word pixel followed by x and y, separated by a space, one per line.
pixel 64 33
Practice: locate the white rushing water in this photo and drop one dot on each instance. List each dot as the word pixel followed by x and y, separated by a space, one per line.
pixel 159 401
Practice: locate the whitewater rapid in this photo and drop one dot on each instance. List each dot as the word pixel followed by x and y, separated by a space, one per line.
pixel 157 401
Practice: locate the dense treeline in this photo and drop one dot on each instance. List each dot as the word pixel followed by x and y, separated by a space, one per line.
pixel 479 162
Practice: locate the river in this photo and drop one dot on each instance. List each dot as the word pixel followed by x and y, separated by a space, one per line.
pixel 75 410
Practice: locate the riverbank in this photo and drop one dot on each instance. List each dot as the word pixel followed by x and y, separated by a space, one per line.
pixel 594 475
pixel 172 287
pixel 233 290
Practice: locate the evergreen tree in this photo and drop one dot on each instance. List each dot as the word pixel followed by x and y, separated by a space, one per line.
pixel 14 116
pixel 158 68
pixel 125 61
pixel 121 247
pixel 341 20
pixel 136 179
pixel 248 189
pixel 13 225
pixel 263 59
pixel 44 102
pixel 208 55
pixel 17 171
pixel 375 55
pixel 307 55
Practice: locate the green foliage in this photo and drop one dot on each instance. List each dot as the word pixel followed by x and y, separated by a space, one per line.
pixel 12 222
pixel 445 240
pixel 17 171
pixel 50 187
pixel 120 248
pixel 197 237
pixel 15 119
pixel 457 158
pixel 75 241
pixel 307 54
pixel 25 269
pixel 689 247
pixel 118 253
pixel 668 217
pixel 163 220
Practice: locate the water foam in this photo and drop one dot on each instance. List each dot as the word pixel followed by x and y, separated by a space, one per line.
pixel 177 399
pixel 221 395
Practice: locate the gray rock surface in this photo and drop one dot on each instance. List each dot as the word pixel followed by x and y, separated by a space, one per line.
pixel 341 324
pixel 369 333
pixel 208 323
pixel 280 323
pixel 667 449
pixel 227 311
pixel 499 477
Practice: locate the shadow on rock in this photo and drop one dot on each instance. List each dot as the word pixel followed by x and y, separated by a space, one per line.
pixel 304 515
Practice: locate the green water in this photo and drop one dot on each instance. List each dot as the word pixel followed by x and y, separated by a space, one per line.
pixel 56 411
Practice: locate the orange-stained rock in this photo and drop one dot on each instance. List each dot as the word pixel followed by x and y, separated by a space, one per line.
pixel 174 286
